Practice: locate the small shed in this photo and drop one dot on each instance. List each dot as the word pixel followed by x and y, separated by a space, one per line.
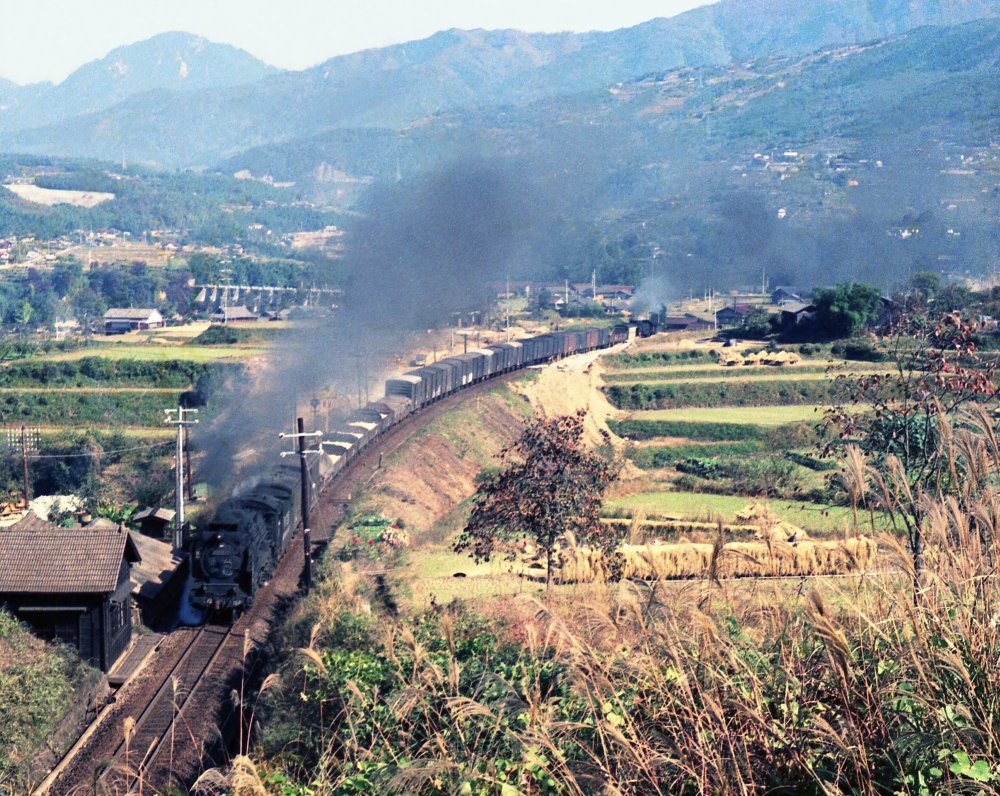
pixel 154 521
pixel 122 320
pixel 72 586
pixel 158 580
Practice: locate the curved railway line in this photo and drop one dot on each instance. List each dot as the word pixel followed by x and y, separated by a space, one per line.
pixel 179 698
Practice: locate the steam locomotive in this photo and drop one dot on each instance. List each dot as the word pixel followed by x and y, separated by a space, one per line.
pixel 237 551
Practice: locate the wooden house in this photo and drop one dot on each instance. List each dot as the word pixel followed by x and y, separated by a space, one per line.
pixel 73 586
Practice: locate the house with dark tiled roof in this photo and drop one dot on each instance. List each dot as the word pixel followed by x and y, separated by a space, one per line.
pixel 72 586
pixel 732 316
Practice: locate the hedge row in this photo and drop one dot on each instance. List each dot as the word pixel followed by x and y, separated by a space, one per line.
pixel 712 432
pixel 737 373
pixel 98 371
pixel 655 457
pixel 730 393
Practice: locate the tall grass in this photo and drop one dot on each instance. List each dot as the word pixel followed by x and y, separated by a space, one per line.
pixel 885 683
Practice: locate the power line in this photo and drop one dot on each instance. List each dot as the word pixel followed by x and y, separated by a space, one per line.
pixel 102 453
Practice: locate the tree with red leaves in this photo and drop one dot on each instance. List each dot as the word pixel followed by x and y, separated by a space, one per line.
pixel 548 486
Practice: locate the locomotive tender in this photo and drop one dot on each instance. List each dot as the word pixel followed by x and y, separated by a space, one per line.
pixel 238 550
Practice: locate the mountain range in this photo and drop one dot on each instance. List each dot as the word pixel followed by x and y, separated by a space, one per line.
pixel 179 101
pixel 797 142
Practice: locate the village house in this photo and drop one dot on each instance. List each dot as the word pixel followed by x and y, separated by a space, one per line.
pixel 736 315
pixel 796 313
pixel 121 320
pixel 683 323
pixel 71 585
pixel 614 292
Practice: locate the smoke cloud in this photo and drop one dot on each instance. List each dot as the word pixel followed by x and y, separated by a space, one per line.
pixel 422 251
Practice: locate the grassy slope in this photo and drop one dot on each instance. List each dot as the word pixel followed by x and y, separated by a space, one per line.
pixel 37 687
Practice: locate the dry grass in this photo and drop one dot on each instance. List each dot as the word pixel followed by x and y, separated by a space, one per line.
pixel 770 558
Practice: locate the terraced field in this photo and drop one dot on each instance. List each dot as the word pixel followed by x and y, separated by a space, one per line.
pixel 754 415
pixel 714 437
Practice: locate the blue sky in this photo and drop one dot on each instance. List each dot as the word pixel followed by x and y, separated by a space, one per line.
pixel 48 39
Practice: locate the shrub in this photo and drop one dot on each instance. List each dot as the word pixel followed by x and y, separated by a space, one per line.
pixel 858 351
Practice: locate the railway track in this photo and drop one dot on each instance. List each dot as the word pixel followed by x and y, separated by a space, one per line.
pixel 154 733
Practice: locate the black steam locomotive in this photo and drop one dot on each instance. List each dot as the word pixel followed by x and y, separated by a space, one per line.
pixel 238 550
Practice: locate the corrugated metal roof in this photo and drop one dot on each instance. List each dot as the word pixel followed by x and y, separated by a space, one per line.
pixel 128 314
pixel 62 561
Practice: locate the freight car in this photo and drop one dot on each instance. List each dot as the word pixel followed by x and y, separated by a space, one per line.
pixel 238 550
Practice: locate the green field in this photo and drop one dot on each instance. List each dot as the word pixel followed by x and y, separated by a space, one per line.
pixel 157 353
pixel 698 506
pixel 753 415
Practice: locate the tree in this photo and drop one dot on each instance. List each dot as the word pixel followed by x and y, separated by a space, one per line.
pixel 548 486
pixel 917 416
pixel 24 313
pixel 843 310
pixel 926 284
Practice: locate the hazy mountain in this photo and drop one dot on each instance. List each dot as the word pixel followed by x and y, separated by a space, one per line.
pixel 864 162
pixel 178 62
pixel 396 86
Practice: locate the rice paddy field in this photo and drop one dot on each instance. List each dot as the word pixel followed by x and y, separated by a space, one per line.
pixel 694 454
pixel 815 518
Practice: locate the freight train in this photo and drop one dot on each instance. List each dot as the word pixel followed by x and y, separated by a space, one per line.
pixel 237 551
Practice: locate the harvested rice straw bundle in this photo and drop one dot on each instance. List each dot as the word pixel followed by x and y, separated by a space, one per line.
pixel 658 561
pixel 681 526
pixel 772 557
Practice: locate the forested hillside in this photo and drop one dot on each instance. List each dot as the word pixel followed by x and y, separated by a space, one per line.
pixel 398 85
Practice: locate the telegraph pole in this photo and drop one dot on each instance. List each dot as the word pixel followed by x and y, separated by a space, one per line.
pixel 24 460
pixel 180 421
pixel 306 546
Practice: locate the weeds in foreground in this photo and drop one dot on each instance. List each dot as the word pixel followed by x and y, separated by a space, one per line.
pixel 887 685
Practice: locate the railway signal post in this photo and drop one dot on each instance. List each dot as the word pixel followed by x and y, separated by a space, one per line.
pixel 302 451
pixel 180 421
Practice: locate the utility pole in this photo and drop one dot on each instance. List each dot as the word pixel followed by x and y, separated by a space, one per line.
pixel 24 460
pixel 507 308
pixel 180 421
pixel 306 546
